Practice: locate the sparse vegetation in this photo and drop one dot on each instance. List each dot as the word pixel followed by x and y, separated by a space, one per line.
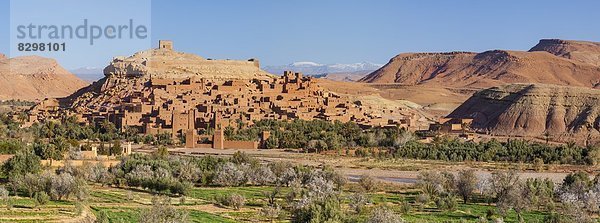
pixel 283 191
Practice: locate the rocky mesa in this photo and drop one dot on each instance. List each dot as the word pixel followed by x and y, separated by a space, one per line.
pixel 487 69
pixel 535 110
pixel 34 78
pixel 165 62
pixel 582 51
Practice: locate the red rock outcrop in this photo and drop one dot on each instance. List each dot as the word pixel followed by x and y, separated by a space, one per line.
pixel 487 69
pixel 35 78
pixel 582 51
pixel 533 110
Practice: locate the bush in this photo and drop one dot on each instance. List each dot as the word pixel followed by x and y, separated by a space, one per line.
pixel 318 210
pixel 234 201
pixel 5 198
pixel 162 211
pixel 404 207
pixel 271 211
pixel 422 199
pixel 367 183
pixel 41 198
pixel 102 217
pixel 384 215
pixel 231 174
pixel 161 153
pixel 358 201
pixel 434 183
pixel 22 163
pixel 261 175
pixel 241 158
pixel 32 183
pixel 446 202
pixel 62 186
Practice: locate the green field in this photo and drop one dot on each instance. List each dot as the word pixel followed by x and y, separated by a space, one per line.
pixel 125 205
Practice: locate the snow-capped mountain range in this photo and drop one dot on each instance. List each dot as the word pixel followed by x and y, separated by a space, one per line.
pixel 312 68
pixel 89 74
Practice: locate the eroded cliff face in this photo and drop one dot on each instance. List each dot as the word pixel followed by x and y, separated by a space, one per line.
pixel 534 110
pixel 34 78
pixel 487 69
pixel 582 51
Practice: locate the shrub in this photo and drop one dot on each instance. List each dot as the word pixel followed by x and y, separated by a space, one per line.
pixel 41 198
pixel 271 195
pixel 434 183
pixel 162 211
pixel 404 207
pixel 261 175
pixel 271 212
pixel 489 214
pixel 5 198
pixel 188 171
pixel 161 153
pixel 22 163
pixel 384 215
pixel 422 199
pixel 358 201
pixel 240 158
pixel 446 202
pixel 234 201
pixel 102 217
pixel 231 174
pixel 318 210
pixel 62 185
pixel 32 183
pixel 338 179
pixel 367 183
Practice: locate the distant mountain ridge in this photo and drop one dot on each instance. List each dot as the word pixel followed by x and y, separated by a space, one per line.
pixel 312 68
pixel 344 76
pixel 35 78
pixel 582 51
pixel 89 74
pixel 551 62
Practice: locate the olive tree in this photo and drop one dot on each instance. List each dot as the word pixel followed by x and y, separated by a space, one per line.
pixel 466 184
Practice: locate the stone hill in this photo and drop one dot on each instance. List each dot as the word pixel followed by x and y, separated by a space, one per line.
pixel 534 110
pixel 582 51
pixel 482 70
pixel 35 78
pixel 166 63
pixel 125 75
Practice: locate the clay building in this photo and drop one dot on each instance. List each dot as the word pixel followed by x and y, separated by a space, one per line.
pixel 189 107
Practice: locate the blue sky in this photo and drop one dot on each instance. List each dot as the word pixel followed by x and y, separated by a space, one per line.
pixel 336 31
